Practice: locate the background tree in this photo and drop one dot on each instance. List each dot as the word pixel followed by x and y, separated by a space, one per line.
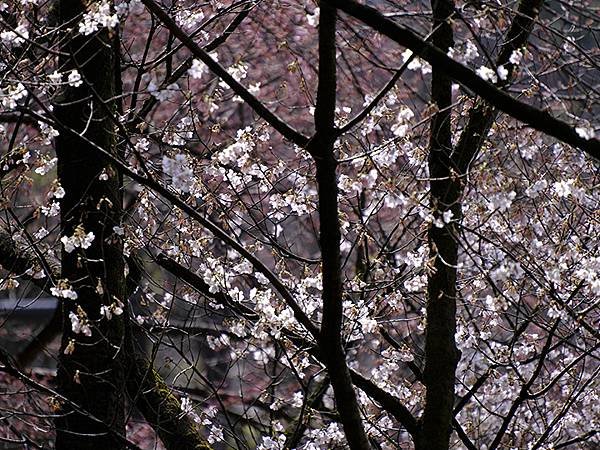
pixel 295 225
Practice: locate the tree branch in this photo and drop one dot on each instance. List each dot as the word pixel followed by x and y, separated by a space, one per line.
pixel 482 114
pixel 286 130
pixel 184 66
pixel 530 115
pixel 161 409
pixel 10 366
pixel 387 401
pixel 441 354
pixel 206 223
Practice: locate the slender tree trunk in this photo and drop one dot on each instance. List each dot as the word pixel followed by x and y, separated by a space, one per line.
pixel 91 371
pixel 447 169
pixel 322 149
pixel 441 354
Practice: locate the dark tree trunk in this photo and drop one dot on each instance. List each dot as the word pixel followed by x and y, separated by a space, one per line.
pixel 322 149
pixel 91 371
pixel 441 354
pixel 447 168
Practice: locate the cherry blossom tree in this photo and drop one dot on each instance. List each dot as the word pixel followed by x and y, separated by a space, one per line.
pixel 302 225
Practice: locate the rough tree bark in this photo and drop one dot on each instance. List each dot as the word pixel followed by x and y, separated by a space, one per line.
pixel 91 370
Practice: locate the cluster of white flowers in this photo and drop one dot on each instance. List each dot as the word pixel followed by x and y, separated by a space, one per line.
pixel 238 153
pixel 16 37
pixel 416 283
pixel 217 343
pixel 8 283
pixel 586 132
pixel 57 191
pixel 442 220
pixel 238 71
pixel 183 132
pixel 80 323
pixel 516 57
pixel 536 188
pixel 79 239
pixel 198 68
pixel 47 132
pixel 564 188
pixel 467 53
pixel 313 19
pixel 501 201
pixel 329 437
pixel 502 72
pixel 416 63
pixel 12 95
pixel 297 399
pixel 41 233
pixel 506 271
pixel 100 16
pixel 55 77
pixel 487 74
pixel 114 309
pixel 47 164
pixel 215 434
pixel 215 275
pixel 265 306
pixel 189 18
pixel 163 94
pixel 215 431
pixel 349 186
pixel 367 324
pixel 471 52
pixel 298 203
pixel 254 88
pixel 51 211
pixel 415 258
pixel 188 409
pixel 390 362
pixel 74 78
pixel 182 176
pixel 63 289
pixel 142 145
pixel 402 124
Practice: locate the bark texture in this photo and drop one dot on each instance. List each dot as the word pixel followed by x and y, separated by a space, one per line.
pixel 161 409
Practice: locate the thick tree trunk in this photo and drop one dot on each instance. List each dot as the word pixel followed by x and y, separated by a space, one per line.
pixel 91 370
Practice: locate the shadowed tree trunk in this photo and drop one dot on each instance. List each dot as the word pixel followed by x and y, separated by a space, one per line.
pixel 322 149
pixel 447 170
pixel 441 354
pixel 91 370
